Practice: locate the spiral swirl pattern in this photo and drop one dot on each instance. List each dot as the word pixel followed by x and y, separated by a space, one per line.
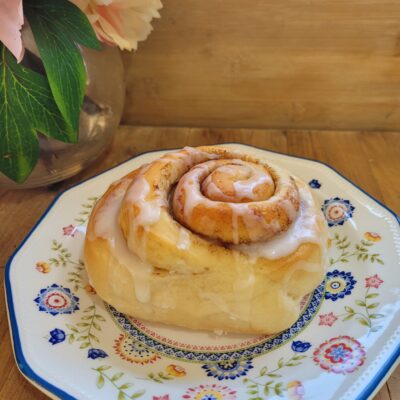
pixel 219 194
pixel 207 238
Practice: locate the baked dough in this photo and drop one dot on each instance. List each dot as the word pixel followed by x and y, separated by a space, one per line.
pixel 207 239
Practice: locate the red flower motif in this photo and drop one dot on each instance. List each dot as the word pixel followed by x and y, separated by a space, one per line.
pixel 338 353
pixel 164 397
pixel 327 319
pixel 69 230
pixel 373 281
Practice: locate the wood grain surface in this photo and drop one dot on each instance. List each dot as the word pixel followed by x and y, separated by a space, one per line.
pixel 331 64
pixel 371 160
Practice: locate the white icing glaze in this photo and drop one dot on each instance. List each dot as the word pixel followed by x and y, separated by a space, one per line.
pixel 243 212
pixel 304 229
pixel 149 210
pixel 106 226
pixel 184 239
pixel 252 177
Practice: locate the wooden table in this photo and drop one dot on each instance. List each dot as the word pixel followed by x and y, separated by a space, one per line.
pixel 371 160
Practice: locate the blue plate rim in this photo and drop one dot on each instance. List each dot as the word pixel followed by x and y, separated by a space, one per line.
pixel 31 375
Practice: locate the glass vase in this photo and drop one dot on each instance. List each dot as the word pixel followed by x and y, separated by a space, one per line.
pixel 99 118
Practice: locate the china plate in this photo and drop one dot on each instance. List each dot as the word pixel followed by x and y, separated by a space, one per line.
pixel 71 345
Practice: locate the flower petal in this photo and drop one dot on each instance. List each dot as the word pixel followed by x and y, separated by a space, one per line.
pixel 11 21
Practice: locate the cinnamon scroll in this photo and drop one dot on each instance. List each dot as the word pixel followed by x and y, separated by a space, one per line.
pixel 207 238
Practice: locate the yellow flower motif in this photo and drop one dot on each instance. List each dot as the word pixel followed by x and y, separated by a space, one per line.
pixel 43 267
pixel 90 289
pixel 372 236
pixel 295 390
pixel 175 370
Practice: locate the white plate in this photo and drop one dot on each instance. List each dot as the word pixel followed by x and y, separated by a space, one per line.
pixel 71 345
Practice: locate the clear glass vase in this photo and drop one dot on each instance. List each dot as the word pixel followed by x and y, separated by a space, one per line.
pixel 100 115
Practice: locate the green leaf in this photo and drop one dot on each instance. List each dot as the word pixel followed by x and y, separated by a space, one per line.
pixel 274 375
pixel 263 371
pixel 116 376
pixel 84 345
pixel 58 27
pixel 125 386
pixel 376 316
pixel 347 317
pixel 100 381
pixel 362 321
pixel 26 108
pixel 349 309
pixel 380 261
pixel 96 326
pixel 138 394
pixel 103 368
pixel 71 338
pixel 252 392
pixel 72 328
pixel 280 363
pixel 99 317
pixel 278 390
pixel 299 357
pixel 373 305
pixel 82 324
pixel 122 396
pixel 375 328
pixel 372 295
pixel 360 303
pixel 266 389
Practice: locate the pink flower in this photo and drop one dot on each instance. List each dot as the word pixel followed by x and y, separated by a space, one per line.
pixel 11 21
pixel 373 281
pixel 69 230
pixel 121 22
pixel 164 397
pixel 327 319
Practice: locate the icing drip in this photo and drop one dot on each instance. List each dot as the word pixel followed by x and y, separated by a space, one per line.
pixel 106 226
pixel 304 229
pixel 184 239
pixel 146 211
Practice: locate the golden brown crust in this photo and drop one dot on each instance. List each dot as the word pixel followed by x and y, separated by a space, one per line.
pixel 205 285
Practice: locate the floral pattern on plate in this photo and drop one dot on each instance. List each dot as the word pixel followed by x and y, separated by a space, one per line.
pixel 340 355
pixel 344 329
pixel 337 211
pixel 56 299
pixel 339 284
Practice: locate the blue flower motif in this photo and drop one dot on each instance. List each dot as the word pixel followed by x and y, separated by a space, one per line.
pixel 56 336
pixel 314 183
pixel 339 353
pixel 337 211
pixel 56 299
pixel 96 353
pixel 228 369
pixel 300 347
pixel 338 284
